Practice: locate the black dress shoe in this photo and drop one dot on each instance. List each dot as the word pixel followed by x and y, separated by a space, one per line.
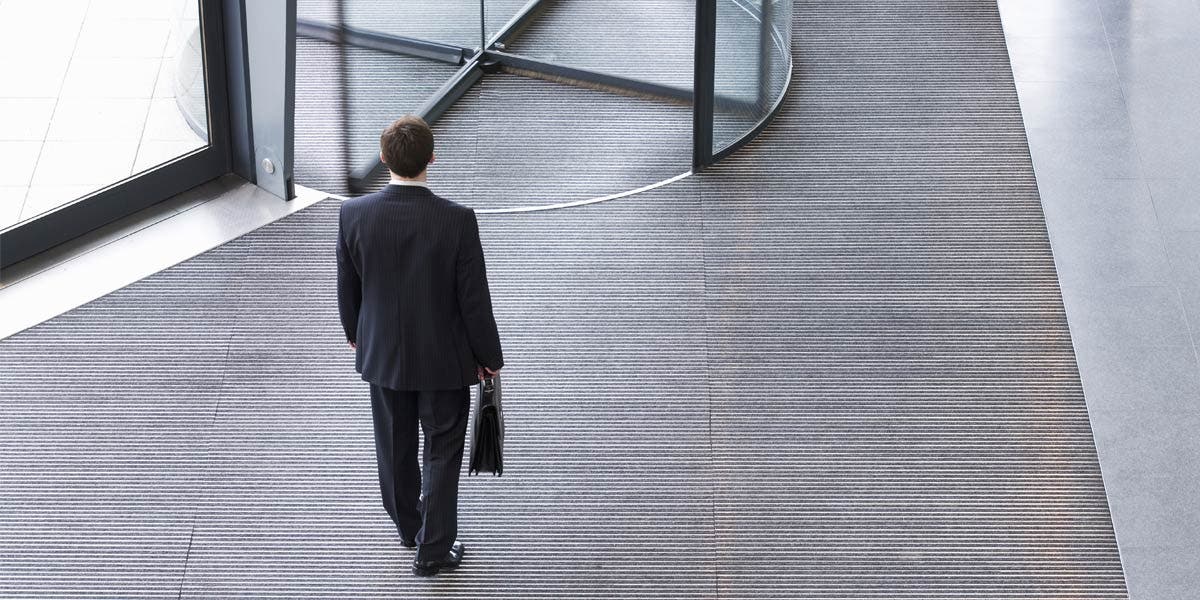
pixel 429 568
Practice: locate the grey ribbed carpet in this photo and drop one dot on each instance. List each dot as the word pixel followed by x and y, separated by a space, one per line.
pixel 834 366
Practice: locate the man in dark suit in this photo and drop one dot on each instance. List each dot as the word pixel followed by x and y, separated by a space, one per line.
pixel 414 302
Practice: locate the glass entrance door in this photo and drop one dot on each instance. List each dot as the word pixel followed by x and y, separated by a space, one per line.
pixel 105 108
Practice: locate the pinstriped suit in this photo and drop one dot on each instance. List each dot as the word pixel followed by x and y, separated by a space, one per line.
pixel 413 295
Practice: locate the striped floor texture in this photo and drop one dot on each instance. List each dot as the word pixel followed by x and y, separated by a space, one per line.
pixel 834 366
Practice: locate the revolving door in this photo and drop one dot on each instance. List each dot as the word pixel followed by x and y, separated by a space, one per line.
pixel 729 61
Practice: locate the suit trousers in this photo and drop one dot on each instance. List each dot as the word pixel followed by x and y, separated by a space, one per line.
pixel 427 515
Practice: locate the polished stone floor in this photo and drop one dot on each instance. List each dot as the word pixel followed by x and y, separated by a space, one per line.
pixel 1109 90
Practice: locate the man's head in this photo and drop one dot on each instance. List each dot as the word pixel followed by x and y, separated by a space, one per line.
pixel 406 146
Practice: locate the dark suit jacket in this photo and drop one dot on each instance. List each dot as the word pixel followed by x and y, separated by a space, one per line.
pixel 413 291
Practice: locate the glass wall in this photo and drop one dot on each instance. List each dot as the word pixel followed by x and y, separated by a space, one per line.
pixel 454 22
pixel 498 13
pixel 650 41
pixel 92 94
pixel 753 65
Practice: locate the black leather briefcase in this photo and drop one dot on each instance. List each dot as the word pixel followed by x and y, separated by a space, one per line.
pixel 487 437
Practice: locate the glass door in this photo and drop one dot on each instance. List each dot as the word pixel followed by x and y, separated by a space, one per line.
pixel 105 109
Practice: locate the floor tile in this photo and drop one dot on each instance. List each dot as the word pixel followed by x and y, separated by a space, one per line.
pixel 165 123
pixel 123 38
pixel 1155 59
pixel 32 28
pixel 1168 153
pixel 1160 509
pixel 1141 378
pixel 1183 251
pixel 98 119
pixel 1105 259
pixel 1166 126
pixel 140 9
pixel 1146 441
pixel 1073 106
pixel 106 162
pixel 164 84
pixel 1046 58
pixel 1189 294
pixel 42 37
pixel 1083 154
pixel 1054 18
pixel 1163 18
pixel 1162 572
pixel 25 119
pixel 43 78
pixel 1177 202
pixel 1159 106
pixel 1099 204
pixel 40 10
pixel 12 198
pixel 111 77
pixel 1136 316
pixel 19 159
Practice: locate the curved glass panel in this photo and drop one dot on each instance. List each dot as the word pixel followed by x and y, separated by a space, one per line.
pixel 753 63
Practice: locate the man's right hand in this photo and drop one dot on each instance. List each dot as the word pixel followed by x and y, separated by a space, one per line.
pixel 483 372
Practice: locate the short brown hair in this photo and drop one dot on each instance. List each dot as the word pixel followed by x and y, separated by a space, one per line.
pixel 407 146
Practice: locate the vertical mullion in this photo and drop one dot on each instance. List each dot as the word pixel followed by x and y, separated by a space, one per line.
pixel 704 83
pixel 270 27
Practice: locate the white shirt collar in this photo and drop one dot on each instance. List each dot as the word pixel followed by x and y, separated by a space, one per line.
pixel 408 182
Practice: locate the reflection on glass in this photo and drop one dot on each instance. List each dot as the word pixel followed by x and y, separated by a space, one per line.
pixel 92 93
pixel 381 87
pixel 650 41
pixel 753 61
pixel 454 22
pixel 498 13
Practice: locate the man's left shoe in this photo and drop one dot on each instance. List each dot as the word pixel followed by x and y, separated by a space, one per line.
pixel 429 568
